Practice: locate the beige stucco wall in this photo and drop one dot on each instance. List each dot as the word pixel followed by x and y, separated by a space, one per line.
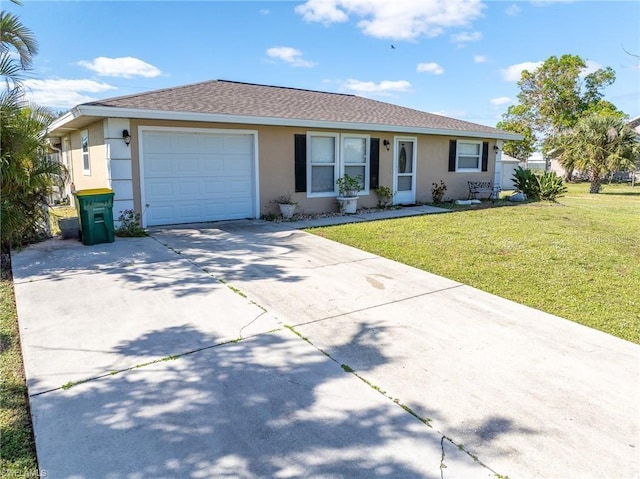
pixel 433 166
pixel 276 165
pixel 97 158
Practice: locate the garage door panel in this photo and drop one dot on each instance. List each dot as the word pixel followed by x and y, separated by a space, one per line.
pixel 159 189
pixel 212 143
pixel 214 187
pixel 188 166
pixel 185 189
pixel 236 207
pixel 157 165
pixel 238 144
pixel 197 176
pixel 237 165
pixel 214 165
pixel 236 186
pixel 156 142
pixel 160 214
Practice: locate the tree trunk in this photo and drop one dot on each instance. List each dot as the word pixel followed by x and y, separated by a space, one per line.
pixel 596 183
pixel 568 174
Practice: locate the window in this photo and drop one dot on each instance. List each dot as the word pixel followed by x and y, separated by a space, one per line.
pixel 330 155
pixel 355 156
pixel 86 166
pixel 469 156
pixel 323 161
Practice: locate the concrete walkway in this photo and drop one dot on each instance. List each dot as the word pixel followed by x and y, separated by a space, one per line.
pixel 400 373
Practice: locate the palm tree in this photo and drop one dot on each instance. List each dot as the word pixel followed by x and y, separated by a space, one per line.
pixel 15 39
pixel 598 145
pixel 27 174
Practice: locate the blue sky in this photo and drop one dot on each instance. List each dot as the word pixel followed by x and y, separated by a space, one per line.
pixel 459 58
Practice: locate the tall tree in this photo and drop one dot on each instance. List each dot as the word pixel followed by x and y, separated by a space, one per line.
pixel 27 174
pixel 552 99
pixel 15 39
pixel 598 145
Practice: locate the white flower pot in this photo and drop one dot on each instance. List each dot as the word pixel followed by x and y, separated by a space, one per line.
pixel 348 205
pixel 287 210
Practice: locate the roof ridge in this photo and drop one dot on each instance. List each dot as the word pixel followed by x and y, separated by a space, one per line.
pixel 179 87
pixel 285 87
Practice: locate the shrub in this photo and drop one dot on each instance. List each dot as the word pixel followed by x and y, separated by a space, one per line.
pixel 525 180
pixel 437 191
pixel 130 225
pixel 385 196
pixel 348 186
pixel 547 186
pixel 551 186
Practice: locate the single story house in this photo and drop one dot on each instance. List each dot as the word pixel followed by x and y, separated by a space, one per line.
pixel 225 150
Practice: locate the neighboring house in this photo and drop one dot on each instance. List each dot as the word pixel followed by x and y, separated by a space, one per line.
pixel 225 150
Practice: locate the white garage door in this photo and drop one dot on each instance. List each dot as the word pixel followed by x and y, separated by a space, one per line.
pixel 194 176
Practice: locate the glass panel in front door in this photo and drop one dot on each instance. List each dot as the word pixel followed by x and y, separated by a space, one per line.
pixel 405 193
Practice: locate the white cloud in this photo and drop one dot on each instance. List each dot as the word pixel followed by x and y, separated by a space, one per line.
pixel 501 100
pixel 479 58
pixel 513 10
pixel 264 11
pixel 431 67
pixel 385 86
pixel 322 11
pixel 63 93
pixel 125 67
pixel 289 55
pixel 514 72
pixel 466 37
pixel 401 20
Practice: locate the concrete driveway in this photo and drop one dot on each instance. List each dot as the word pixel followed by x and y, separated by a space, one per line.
pixel 250 349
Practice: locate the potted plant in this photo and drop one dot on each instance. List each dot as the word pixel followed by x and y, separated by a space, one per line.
pixel 348 189
pixel 287 206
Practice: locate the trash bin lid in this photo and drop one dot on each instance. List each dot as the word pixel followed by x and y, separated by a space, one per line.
pixel 93 191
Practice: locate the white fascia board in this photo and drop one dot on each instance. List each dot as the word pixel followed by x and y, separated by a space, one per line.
pixel 102 111
pixel 59 123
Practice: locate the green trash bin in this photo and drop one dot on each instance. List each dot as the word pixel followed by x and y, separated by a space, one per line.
pixel 95 213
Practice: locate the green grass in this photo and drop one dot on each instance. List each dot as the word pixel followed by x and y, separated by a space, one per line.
pixel 17 451
pixel 59 212
pixel 577 259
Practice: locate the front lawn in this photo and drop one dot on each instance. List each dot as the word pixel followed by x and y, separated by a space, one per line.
pixel 578 259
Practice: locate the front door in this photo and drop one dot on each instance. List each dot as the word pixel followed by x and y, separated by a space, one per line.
pixel 404 171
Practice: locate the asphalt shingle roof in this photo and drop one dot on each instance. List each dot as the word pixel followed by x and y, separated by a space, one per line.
pixel 252 100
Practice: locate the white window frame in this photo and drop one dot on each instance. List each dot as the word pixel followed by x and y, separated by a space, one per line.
pixel 367 160
pixel 86 160
pixel 467 170
pixel 339 164
pixel 336 163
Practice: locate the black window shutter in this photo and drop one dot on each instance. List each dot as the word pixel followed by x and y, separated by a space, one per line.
pixel 485 155
pixel 453 144
pixel 300 168
pixel 374 163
